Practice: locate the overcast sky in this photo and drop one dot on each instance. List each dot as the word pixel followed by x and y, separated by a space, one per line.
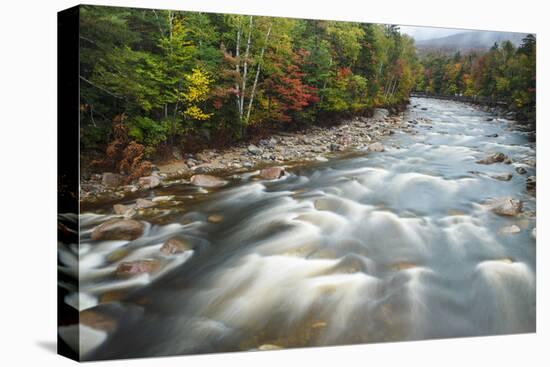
pixel 422 33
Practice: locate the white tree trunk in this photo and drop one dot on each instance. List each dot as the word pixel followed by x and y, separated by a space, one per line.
pixel 245 69
pixel 257 74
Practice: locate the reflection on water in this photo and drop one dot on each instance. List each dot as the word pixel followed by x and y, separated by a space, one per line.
pixel 367 248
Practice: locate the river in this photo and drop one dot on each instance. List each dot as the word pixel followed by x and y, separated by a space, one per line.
pixel 368 247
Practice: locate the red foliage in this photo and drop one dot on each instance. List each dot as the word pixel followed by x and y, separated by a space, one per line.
pixel 123 155
pixel 285 87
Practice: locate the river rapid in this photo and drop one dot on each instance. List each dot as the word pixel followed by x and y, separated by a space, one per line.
pixel 367 247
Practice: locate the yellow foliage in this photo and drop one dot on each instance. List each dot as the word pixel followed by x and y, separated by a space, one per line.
pixel 198 86
pixel 196 113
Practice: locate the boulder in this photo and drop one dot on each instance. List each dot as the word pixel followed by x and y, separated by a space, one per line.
pixel 131 268
pixel 376 147
pixel 506 206
pixel 175 246
pixel 118 229
pixel 493 158
pixel 252 149
pixel 149 182
pixel 111 179
pixel 503 177
pixel 207 181
pixel 380 113
pixel 272 173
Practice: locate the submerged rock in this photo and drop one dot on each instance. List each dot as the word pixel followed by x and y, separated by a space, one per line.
pixel 118 229
pixel 272 173
pixel 207 181
pixel 493 158
pixel 215 218
pixel 376 147
pixel 513 229
pixel 506 206
pixel 175 246
pixel 521 170
pixel 131 268
pixel 503 177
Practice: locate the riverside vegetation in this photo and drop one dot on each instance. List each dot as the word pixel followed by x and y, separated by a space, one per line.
pixel 169 86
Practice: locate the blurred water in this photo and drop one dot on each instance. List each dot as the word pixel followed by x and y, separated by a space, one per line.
pixel 366 248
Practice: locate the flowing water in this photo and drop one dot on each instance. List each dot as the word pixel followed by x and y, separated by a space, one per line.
pixel 373 247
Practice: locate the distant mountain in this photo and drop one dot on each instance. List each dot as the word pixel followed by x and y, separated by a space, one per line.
pixel 468 41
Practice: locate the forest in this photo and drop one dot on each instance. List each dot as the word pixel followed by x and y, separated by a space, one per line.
pixel 152 80
pixel 504 74
pixel 178 77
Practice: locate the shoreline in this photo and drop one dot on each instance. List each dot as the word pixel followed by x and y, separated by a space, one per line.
pixel 281 149
pixel 314 144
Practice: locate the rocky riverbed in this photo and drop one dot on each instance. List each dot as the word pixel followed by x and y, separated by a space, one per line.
pixel 316 144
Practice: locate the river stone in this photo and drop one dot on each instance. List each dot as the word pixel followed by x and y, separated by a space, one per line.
pixel 272 173
pixel 215 218
pixel 376 147
pixel 493 158
pixel 534 233
pixel 521 170
pixel 144 203
pixel 207 181
pixel 503 177
pixel 531 184
pixel 380 113
pixel 111 179
pixel 506 206
pixel 175 246
pixel 118 229
pixel 131 268
pixel 149 182
pixel 252 149
pixel 513 229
